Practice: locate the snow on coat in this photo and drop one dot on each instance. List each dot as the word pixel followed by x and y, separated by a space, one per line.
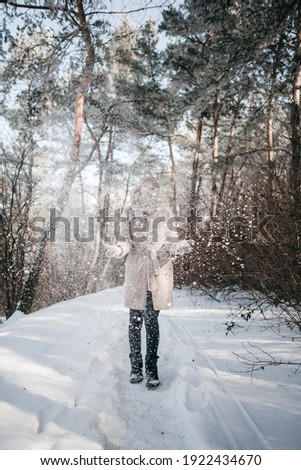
pixel 149 238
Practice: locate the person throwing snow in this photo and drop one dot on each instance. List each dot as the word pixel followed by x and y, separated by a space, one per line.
pixel 150 238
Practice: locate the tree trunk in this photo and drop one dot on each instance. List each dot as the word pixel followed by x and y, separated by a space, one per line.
pixel 173 178
pixel 103 208
pixel 270 120
pixel 270 142
pixel 216 115
pixel 296 123
pixel 229 156
pixel 79 111
pixel 195 182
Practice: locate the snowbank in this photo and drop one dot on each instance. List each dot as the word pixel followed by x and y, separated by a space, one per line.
pixel 64 381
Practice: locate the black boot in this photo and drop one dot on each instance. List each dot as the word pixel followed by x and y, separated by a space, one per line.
pixel 136 368
pixel 152 379
pixel 135 346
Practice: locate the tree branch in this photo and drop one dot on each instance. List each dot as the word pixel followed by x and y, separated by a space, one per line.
pixel 67 9
pixel 259 359
pixel 10 3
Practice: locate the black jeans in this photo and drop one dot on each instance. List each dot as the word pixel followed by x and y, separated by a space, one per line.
pixel 150 318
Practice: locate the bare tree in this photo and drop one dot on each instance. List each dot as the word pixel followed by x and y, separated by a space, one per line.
pixel 17 193
pixel 31 282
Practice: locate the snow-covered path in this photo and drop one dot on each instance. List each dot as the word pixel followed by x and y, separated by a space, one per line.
pixel 64 382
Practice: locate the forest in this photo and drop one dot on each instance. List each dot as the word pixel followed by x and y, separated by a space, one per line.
pixel 203 94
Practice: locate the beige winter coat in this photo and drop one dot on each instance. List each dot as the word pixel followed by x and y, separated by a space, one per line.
pixel 149 243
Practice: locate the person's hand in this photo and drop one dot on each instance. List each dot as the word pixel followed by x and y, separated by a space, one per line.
pixel 184 246
pixel 164 254
pixel 112 251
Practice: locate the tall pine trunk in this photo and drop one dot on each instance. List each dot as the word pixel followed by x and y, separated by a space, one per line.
pixel 296 124
pixel 270 119
pixel 103 207
pixel 173 178
pixel 214 193
pixel 195 181
pixel 229 157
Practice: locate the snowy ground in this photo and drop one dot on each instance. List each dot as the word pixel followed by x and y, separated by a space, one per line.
pixel 64 381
